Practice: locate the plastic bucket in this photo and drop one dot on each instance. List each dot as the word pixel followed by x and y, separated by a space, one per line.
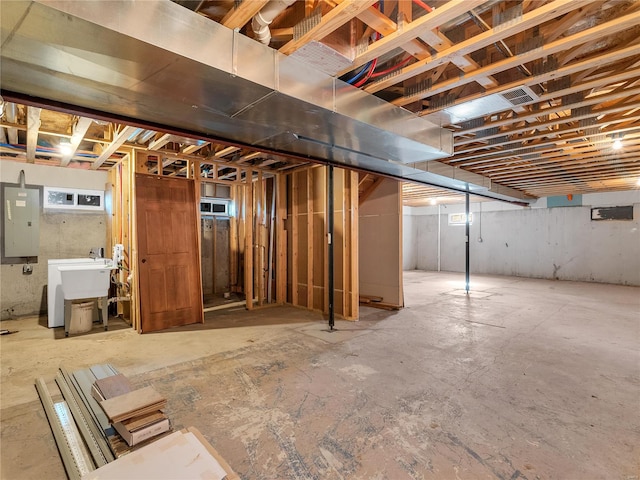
pixel 81 317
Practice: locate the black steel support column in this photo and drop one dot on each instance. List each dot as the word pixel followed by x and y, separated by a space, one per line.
pixel 330 249
pixel 466 229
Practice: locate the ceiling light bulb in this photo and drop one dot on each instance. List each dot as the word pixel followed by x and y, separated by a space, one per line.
pixel 433 201
pixel 65 149
pixel 617 144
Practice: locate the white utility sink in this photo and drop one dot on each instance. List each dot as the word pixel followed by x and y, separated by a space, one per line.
pixel 85 280
pixel 55 298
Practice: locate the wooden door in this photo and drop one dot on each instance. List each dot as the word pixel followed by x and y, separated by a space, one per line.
pixel 168 260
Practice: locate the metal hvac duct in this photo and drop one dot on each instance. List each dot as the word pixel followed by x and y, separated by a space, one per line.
pixel 162 63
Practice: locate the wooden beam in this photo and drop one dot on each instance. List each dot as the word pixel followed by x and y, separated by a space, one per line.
pixel 33 127
pixel 588 101
pixel 602 60
pixel 242 13
pixel 79 131
pixel 190 149
pixel 337 17
pixel 561 27
pixel 121 137
pixel 516 148
pixel 439 16
pixel 598 31
pixel 372 188
pixel 385 26
pixel 158 143
pixel 440 42
pixel 477 42
pixel 226 151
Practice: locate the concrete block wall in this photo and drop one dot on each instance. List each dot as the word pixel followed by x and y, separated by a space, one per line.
pixel 554 243
pixel 63 234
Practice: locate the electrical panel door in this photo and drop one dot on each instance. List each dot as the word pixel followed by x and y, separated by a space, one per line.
pixel 21 222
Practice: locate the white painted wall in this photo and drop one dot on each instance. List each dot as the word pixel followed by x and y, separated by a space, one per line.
pixel 53 176
pixel 63 234
pixel 410 241
pixel 561 243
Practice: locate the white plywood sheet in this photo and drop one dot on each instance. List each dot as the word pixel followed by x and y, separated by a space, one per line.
pixel 179 455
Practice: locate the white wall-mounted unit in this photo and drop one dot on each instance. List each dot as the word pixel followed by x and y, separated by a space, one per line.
pixel 73 199
pixel 214 207
pixel 460 219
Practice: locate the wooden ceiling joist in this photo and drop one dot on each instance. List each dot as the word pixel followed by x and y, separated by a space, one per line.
pixel 337 17
pixel 120 137
pixel 511 62
pixel 80 129
pixel 242 13
pixel 581 60
pixel 475 43
pixel 33 126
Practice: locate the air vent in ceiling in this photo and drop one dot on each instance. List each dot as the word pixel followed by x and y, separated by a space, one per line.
pixel 519 96
pixel 489 104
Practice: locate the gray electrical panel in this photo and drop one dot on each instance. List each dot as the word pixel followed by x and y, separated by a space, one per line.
pixel 21 222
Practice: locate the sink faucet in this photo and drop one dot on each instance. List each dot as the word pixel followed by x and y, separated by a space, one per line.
pixel 96 253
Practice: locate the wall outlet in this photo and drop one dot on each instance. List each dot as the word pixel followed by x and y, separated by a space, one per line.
pixel 27 269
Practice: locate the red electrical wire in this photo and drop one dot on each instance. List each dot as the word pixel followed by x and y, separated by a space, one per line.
pixel 423 5
pixel 391 69
pixel 362 81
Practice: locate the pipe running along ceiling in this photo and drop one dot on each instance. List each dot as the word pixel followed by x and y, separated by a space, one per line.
pixel 158 62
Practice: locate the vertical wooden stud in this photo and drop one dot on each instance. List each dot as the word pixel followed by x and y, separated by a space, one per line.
pixel 248 239
pixel 354 239
pixel 294 238
pixel 198 191
pixel 309 238
pixel 281 240
pixel 233 239
pixel 259 233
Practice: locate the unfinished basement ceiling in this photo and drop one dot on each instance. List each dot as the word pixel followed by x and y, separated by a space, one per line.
pixel 559 80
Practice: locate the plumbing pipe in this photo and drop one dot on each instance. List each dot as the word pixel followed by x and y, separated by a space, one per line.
pixel 439 232
pixel 262 20
pixel 466 247
pixel 368 75
pixel 11 118
pixel 359 75
pixel 118 299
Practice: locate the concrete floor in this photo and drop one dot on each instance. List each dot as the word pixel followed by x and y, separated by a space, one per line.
pixel 529 379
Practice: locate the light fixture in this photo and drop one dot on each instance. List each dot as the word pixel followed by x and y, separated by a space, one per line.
pixel 433 201
pixel 617 144
pixel 65 149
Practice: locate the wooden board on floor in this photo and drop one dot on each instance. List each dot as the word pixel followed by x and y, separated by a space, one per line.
pixel 113 386
pixel 178 455
pixel 132 404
